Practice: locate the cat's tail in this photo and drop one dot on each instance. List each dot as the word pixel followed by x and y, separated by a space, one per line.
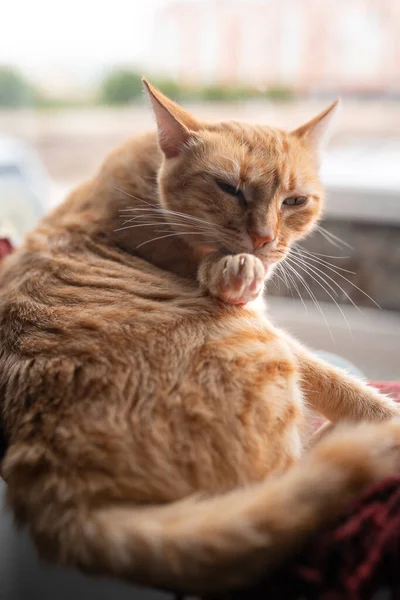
pixel 208 545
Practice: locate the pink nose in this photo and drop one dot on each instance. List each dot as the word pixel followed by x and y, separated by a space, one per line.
pixel 261 238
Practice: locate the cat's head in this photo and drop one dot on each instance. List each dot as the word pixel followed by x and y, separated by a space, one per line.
pixel 239 187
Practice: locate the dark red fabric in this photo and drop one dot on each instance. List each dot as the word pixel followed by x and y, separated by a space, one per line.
pixel 5 247
pixel 353 559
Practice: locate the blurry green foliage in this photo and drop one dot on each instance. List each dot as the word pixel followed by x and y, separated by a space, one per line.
pixel 121 86
pixel 15 90
pixel 170 88
pixel 279 93
pixel 227 93
pixel 215 93
pixel 42 101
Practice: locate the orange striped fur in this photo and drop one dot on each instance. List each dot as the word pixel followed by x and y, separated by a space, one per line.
pixel 135 373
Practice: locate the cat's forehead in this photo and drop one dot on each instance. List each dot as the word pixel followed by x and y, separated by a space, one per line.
pixel 256 138
pixel 253 153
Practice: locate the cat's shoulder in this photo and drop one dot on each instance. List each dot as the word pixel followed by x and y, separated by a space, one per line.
pixel 140 149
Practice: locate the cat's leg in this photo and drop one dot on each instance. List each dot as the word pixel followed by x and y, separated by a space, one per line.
pixel 337 395
pixel 236 279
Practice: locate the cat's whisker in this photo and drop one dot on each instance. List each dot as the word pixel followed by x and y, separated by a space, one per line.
pixel 332 238
pixel 276 273
pixel 350 282
pixel 325 264
pixel 296 287
pixel 334 269
pixel 304 283
pixel 167 236
pixel 282 268
pixel 329 240
pixel 133 196
pixel 313 277
pixel 160 220
pixel 316 277
pixel 312 296
pixel 155 223
pixel 143 215
pixel 178 219
pixel 287 276
pixel 189 217
pixel 276 279
pixel 208 233
pixel 297 245
pixel 224 235
pixel 154 215
pixel 159 210
pixel 320 261
pixel 301 261
pixel 164 211
pixel 283 277
pixel 298 290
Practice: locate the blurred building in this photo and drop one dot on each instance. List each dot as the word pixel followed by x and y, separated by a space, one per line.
pixel 310 45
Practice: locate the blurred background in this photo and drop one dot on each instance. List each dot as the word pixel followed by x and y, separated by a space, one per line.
pixel 70 90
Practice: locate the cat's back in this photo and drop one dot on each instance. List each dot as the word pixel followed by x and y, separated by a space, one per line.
pixel 76 288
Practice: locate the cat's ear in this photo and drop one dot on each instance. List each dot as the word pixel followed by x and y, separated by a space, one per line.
pixel 316 133
pixel 175 125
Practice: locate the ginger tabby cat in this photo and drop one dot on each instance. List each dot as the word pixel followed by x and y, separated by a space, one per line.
pixel 136 372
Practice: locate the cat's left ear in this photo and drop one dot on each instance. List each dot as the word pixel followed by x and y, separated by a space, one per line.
pixel 175 125
pixel 316 133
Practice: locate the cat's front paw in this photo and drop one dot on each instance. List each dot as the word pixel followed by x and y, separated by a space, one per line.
pixel 238 279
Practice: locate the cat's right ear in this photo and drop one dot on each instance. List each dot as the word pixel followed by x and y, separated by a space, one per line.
pixel 316 133
pixel 175 125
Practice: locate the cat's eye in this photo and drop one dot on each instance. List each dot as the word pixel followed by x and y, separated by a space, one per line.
pixel 229 189
pixel 297 201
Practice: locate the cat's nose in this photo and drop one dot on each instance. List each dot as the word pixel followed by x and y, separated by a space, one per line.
pixel 261 238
